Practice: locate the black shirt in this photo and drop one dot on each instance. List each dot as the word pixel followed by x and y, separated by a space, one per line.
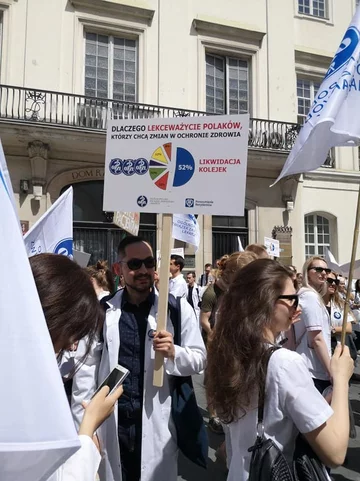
pixel 132 330
pixel 190 296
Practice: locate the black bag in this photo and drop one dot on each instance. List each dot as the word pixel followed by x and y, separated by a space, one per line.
pixel 192 438
pixel 268 462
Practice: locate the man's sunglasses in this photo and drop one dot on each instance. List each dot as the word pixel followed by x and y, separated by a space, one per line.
pixel 332 281
pixel 291 297
pixel 319 270
pixel 135 264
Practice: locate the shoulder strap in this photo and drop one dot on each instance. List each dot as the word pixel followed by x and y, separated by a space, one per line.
pixel 175 317
pixel 261 404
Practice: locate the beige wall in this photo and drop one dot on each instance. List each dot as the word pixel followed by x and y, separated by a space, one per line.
pixel 43 47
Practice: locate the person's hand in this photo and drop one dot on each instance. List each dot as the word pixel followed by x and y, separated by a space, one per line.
pixel 98 409
pixel 164 343
pixel 342 366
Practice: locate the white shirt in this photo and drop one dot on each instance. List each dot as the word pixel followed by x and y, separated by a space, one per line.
pixel 178 286
pixel 82 466
pixel 314 317
pixel 292 404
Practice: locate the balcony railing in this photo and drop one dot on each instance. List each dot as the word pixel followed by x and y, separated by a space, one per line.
pixel 43 107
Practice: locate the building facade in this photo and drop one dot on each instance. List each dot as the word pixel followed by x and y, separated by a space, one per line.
pixel 66 65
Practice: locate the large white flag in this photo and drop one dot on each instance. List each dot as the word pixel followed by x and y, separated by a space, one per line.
pixel 343 269
pixel 186 229
pixel 53 232
pixel 37 433
pixel 333 119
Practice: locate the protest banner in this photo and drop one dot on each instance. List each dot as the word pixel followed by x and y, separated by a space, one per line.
pixel 179 251
pixel 272 246
pixel 37 432
pixel 333 120
pixel 128 221
pixel 53 232
pixel 186 229
pixel 166 166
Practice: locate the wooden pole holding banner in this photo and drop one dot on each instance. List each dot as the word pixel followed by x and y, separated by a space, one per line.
pixel 165 252
pixel 352 264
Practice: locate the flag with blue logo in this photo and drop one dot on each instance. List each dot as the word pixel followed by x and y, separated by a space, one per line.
pixel 37 433
pixel 186 229
pixel 333 119
pixel 53 232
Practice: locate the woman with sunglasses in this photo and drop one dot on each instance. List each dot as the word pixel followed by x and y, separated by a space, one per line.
pixel 259 304
pixel 335 307
pixel 313 332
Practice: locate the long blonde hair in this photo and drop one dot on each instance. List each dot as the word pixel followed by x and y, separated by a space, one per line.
pixel 305 270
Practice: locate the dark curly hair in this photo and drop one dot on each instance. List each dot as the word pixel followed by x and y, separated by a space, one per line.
pixel 237 350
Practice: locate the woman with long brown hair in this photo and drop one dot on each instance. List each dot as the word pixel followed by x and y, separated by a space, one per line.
pixel 72 312
pixel 259 304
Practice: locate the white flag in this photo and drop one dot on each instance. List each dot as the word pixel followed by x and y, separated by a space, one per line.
pixel 186 229
pixel 343 269
pixel 53 232
pixel 37 433
pixel 331 261
pixel 240 246
pixel 333 119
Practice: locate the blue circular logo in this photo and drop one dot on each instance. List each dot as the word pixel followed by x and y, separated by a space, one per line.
pixel 128 167
pixel 337 315
pixel 141 166
pixel 115 166
pixel 64 247
pixel 142 201
pixel 345 51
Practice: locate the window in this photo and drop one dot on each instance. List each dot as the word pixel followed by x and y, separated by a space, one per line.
pixel 227 85
pixel 315 8
pixel 317 235
pixel 110 67
pixel 306 93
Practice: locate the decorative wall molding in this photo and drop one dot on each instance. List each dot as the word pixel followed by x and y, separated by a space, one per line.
pixel 115 8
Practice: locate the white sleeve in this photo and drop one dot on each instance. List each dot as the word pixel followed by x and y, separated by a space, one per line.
pixel 312 311
pixel 190 357
pixel 82 466
pixel 299 398
pixel 85 379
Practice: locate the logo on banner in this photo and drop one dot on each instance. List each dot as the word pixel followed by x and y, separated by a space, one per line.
pixel 115 166
pixel 189 202
pixel 141 166
pixel 129 167
pixel 64 248
pixel 345 51
pixel 142 201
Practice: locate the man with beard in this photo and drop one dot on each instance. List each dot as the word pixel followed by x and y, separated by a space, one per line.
pixel 138 441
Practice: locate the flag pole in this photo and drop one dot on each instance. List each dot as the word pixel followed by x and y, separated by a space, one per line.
pixel 351 270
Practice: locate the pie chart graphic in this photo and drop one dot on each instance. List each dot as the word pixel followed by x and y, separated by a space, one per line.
pixel 171 166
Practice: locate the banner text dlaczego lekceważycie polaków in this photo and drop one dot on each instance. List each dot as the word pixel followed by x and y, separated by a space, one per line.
pixel 194 165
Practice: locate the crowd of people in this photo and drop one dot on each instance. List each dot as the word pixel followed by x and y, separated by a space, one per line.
pixel 250 324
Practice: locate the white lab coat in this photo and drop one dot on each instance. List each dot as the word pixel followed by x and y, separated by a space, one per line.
pixel 82 466
pixel 159 448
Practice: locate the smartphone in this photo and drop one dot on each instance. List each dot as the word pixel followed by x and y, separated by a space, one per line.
pixel 114 379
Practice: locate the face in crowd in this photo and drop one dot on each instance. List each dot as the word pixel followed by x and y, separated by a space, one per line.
pixel 333 283
pixel 317 274
pixel 190 279
pixel 138 267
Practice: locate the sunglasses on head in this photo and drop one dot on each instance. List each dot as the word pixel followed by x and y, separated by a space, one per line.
pixel 291 297
pixel 135 264
pixel 332 281
pixel 319 270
